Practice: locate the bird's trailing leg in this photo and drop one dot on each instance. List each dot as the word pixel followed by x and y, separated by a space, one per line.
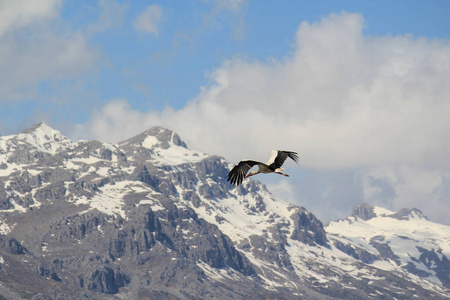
pixel 282 174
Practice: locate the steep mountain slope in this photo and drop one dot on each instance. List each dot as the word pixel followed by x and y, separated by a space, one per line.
pixel 150 218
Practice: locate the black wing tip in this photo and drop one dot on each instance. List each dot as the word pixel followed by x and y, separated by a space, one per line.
pixel 235 181
pixel 234 177
pixel 292 155
pixel 237 174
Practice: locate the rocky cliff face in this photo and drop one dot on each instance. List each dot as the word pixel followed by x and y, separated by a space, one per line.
pixel 149 218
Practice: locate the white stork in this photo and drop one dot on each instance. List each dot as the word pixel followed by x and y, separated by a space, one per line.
pixel 238 173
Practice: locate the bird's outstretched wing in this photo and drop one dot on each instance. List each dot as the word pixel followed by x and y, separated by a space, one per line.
pixel 237 174
pixel 279 157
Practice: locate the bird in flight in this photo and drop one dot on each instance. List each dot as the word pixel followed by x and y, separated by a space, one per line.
pixel 239 172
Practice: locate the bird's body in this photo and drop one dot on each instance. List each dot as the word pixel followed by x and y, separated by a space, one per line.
pixel 239 172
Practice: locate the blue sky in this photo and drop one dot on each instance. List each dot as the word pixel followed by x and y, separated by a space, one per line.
pixel 358 88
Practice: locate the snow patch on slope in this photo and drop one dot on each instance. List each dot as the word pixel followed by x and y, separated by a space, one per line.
pixel 110 198
pixel 177 155
pixel 4 228
pixel 150 141
pixel 382 212
pixel 9 167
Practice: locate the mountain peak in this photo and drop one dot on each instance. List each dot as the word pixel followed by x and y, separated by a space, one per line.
pixel 44 138
pixel 408 213
pixel 162 146
pixel 155 136
pixel 38 126
pixel 43 130
pixel 165 136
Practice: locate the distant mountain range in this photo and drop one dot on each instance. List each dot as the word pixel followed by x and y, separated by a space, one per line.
pixel 149 218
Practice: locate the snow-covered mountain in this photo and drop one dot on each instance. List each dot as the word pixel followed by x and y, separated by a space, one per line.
pixel 150 218
pixel 404 241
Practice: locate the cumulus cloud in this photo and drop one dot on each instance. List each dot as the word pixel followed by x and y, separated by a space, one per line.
pixel 148 21
pixel 343 100
pixel 33 49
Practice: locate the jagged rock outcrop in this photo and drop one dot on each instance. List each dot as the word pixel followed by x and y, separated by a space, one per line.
pixel 356 252
pixel 15 247
pixel 407 213
pixel 363 211
pixel 436 262
pixel 105 280
pixel 308 229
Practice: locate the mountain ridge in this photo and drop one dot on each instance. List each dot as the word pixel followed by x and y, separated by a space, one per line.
pixel 385 230
pixel 149 217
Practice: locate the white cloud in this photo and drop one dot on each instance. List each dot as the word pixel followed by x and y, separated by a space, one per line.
pixel 343 100
pixel 16 14
pixel 148 20
pixel 34 48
